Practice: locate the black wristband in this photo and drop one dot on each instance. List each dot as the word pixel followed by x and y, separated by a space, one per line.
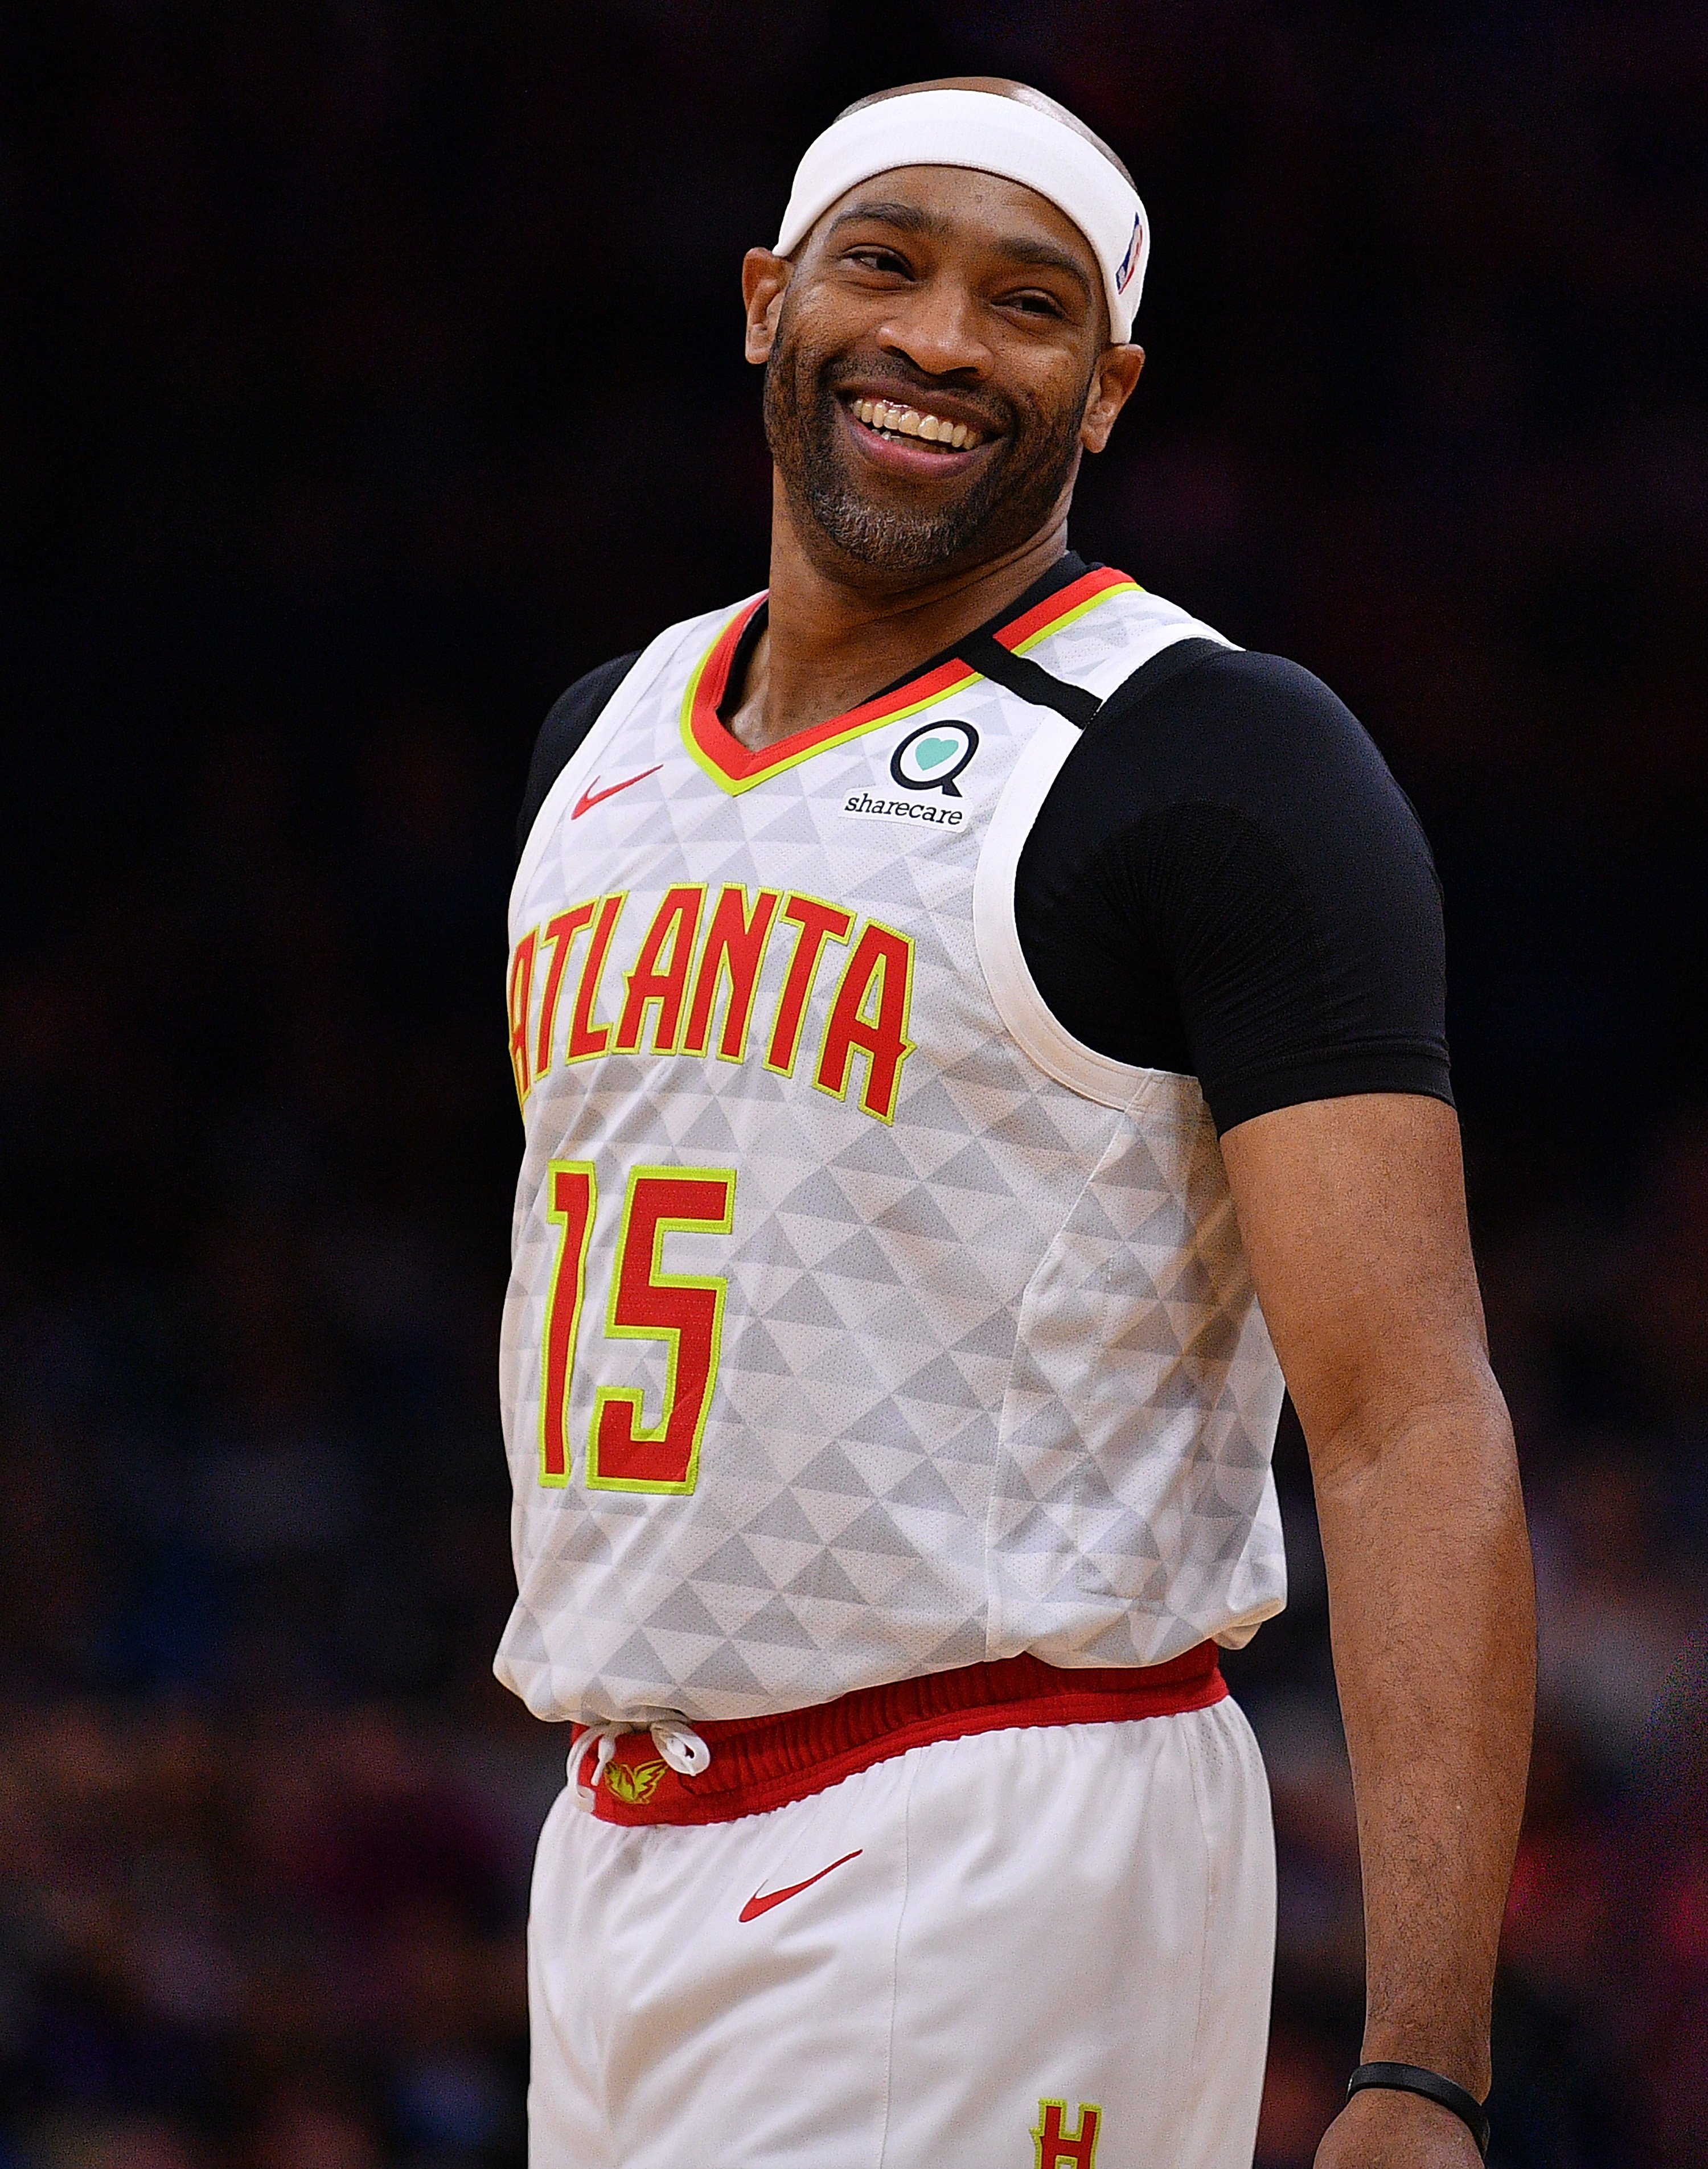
pixel 1413 2079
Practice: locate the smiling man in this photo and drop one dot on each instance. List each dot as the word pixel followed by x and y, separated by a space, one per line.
pixel 978 1031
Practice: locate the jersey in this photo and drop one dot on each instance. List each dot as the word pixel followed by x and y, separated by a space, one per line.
pixel 863 1322
pixel 1225 881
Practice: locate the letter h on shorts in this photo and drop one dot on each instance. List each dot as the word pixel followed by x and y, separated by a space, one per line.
pixel 1058 2149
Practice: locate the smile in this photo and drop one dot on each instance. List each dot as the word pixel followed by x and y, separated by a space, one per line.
pixel 886 419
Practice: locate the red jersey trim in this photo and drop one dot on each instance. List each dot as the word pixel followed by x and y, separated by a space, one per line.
pixel 763 1762
pixel 1060 609
pixel 736 769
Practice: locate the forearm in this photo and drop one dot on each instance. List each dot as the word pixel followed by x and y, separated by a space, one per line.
pixel 1433 1618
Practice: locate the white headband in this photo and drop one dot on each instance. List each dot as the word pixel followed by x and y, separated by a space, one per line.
pixel 992 134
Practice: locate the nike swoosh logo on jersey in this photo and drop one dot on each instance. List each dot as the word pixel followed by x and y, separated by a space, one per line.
pixel 755 1905
pixel 593 794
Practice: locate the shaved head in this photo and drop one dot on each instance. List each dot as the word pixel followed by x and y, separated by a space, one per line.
pixel 998 86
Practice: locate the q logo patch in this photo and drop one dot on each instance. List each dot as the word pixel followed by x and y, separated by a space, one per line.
pixel 933 756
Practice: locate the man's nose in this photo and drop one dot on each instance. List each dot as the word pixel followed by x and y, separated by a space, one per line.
pixel 938 329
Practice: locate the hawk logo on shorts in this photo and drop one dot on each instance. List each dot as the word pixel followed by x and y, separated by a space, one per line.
pixel 634 1786
pixel 1061 2148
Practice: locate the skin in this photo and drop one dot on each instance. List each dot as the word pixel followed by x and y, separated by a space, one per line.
pixel 1352 1214
pixel 972 298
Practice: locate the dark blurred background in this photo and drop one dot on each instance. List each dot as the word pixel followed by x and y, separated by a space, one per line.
pixel 372 369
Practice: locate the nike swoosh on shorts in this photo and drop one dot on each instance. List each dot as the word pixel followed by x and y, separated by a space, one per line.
pixel 755 1905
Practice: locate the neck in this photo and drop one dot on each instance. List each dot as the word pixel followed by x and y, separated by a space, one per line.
pixel 833 639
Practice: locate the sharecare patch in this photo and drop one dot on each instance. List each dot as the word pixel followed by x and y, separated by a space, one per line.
pixel 866 808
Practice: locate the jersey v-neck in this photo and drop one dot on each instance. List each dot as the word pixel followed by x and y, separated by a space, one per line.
pixel 1066 591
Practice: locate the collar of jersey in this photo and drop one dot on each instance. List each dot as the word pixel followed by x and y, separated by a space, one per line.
pixel 734 769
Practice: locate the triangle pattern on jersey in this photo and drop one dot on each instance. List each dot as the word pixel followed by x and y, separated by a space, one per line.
pixel 734 1564
pixel 725 1672
pixel 918 1215
pixel 804 1302
pixel 772 1249
pixel 892 887
pixel 710 1131
pixel 860 1259
pixel 973 1168
pixel 820 1198
pixel 876 1151
pixel 823 1578
pixel 777 1623
pixel 993 1336
pixel 756 1350
pixel 637 1659
pixel 885 1423
pixel 1006 1294
pixel 782 1519
pixel 831 1470
pixel 927 1105
pixel 794 824
pixel 942 1380
pixel 924 1488
pixel 973 1445
pixel 875 1531
pixel 683 1613
pixel 1029 1128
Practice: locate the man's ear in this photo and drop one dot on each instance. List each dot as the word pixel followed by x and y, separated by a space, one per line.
pixel 765 278
pixel 1113 384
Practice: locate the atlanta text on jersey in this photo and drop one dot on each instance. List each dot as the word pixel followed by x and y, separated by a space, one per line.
pixel 868 1014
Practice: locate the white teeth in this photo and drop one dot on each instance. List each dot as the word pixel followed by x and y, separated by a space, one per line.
pixel 909 422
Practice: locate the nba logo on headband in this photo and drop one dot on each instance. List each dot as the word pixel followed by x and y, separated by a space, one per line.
pixel 1129 262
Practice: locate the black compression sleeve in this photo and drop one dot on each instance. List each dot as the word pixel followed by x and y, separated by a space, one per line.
pixel 1225 881
pixel 563 731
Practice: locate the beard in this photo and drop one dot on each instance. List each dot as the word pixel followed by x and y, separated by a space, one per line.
pixel 1009 499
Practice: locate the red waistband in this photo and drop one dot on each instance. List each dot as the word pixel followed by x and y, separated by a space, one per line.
pixel 762 1762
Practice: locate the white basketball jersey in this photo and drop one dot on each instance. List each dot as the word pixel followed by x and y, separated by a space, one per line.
pixel 862 1322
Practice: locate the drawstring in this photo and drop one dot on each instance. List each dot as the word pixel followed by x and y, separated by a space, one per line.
pixel 675 1737
pixel 604 1737
pixel 681 1745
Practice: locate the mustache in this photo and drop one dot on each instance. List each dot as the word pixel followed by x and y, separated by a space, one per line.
pixel 914 388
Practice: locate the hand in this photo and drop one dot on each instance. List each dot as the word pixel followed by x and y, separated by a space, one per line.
pixel 1383 2129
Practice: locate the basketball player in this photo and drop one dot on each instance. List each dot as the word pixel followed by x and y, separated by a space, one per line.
pixel 978 1031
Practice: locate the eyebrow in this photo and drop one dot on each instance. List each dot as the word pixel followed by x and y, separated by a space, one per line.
pixel 908 216
pixel 1045 254
pixel 1048 256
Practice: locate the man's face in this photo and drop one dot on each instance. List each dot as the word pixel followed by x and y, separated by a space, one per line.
pixel 956 304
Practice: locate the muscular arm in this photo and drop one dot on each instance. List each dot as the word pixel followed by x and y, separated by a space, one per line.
pixel 1226 881
pixel 1352 1212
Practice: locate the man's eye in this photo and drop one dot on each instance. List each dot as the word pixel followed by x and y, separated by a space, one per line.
pixel 876 259
pixel 1034 303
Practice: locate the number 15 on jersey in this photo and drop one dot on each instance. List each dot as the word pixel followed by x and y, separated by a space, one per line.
pixel 645 1303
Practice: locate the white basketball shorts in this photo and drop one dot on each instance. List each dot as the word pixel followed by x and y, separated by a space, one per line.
pixel 1044 1946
